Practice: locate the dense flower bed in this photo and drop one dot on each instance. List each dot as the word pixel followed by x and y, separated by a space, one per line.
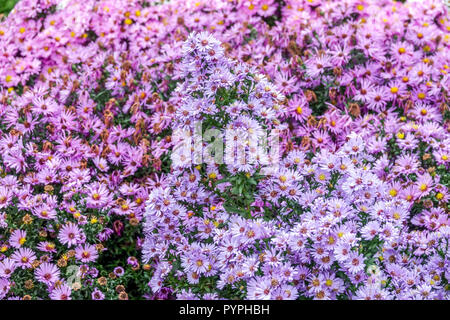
pixel 93 205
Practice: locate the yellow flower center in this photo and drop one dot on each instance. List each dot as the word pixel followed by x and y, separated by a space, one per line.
pixel 212 175
pixel 394 89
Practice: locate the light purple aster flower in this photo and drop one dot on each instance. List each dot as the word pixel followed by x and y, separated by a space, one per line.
pixel 47 273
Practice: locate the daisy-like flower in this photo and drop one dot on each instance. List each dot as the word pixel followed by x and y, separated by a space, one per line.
pixel 377 99
pixel 24 258
pixel 424 112
pixel 259 289
pixel 5 196
pixel 317 65
pixel 266 8
pixel 46 246
pixel 299 109
pixel 5 285
pixel 424 184
pixel 442 156
pixel 47 273
pixel 69 234
pixel 45 106
pixel 86 253
pixel 18 238
pixel 355 262
pixel 395 90
pixel 7 267
pixel 97 295
pixel 119 271
pixel 61 292
pixel 98 196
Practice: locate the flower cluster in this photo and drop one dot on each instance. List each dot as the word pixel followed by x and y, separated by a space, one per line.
pixel 322 225
pixel 98 199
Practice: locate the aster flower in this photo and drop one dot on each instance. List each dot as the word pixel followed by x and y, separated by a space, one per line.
pixel 424 184
pixel 98 196
pixel 355 262
pixel 7 267
pixel 24 258
pixel 70 234
pixel 61 292
pixel 97 294
pixel 86 253
pixel 47 273
pixel 119 271
pixel 18 238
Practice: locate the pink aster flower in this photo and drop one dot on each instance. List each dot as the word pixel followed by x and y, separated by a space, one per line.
pixel 70 234
pixel 424 184
pixel 98 196
pixel 5 196
pixel 47 273
pixel 18 238
pixel 24 257
pixel 7 267
pixel 46 246
pixel 61 292
pixel 86 253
